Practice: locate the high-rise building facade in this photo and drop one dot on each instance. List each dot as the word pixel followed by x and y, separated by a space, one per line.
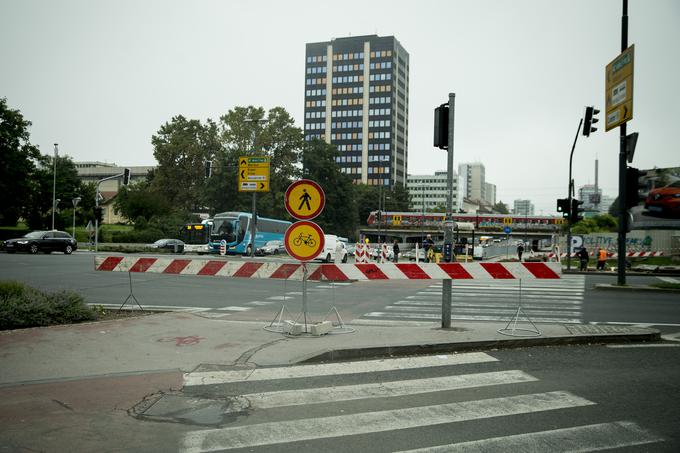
pixel 356 97
pixel 428 192
pixel 523 207
pixel 471 182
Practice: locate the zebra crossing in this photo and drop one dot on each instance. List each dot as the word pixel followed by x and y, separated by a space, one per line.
pixel 382 398
pixel 553 301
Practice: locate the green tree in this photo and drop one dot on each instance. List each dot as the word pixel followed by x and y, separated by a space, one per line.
pixel 182 147
pixel 598 224
pixel 366 199
pixel 318 161
pixel 18 158
pixel 501 208
pixel 138 201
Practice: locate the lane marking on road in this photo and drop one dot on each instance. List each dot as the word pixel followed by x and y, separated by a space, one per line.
pixel 234 308
pixel 634 324
pixel 387 322
pixel 499 311
pixel 602 436
pixel 422 316
pixel 329 369
pixel 643 345
pixel 259 303
pixel 303 397
pixel 371 422
pixel 671 336
pixel 566 305
pixel 669 279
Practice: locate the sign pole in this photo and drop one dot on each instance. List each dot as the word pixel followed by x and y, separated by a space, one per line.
pixel 304 293
pixel 623 218
pixel 253 226
pixel 448 233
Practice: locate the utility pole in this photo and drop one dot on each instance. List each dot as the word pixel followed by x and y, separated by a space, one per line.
pixel 54 182
pixel 623 215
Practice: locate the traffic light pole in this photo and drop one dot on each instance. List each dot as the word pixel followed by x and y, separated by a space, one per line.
pixel 448 231
pixel 570 189
pixel 623 215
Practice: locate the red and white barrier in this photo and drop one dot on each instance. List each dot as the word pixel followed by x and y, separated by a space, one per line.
pixel 330 272
pixel 361 253
pixel 614 255
pixel 384 253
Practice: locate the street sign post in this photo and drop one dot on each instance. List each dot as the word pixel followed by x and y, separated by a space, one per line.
pixel 253 174
pixel 304 199
pixel 619 89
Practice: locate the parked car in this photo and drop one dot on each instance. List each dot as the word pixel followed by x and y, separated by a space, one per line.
pixel 377 251
pixel 271 248
pixel 174 245
pixel 43 241
pixel 411 255
pixel 664 200
pixel 331 244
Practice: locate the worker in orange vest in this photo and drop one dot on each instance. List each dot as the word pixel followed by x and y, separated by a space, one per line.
pixel 601 259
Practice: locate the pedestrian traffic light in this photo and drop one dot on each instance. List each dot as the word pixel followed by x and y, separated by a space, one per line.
pixel 589 119
pixel 633 187
pixel 576 210
pixel 563 207
pixel 441 126
pixel 126 176
pixel 208 168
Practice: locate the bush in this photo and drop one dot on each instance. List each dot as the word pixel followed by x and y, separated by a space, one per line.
pixel 22 306
pixel 146 236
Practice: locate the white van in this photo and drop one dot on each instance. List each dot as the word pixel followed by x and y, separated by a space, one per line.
pixel 333 243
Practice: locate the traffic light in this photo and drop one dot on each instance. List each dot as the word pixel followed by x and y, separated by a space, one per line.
pixel 576 210
pixel 126 176
pixel 589 119
pixel 208 168
pixel 563 207
pixel 378 216
pixel 441 126
pixel 633 187
pixel 99 214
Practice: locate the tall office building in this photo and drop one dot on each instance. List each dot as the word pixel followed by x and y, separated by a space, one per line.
pixel 471 182
pixel 356 97
pixel 427 192
pixel 523 207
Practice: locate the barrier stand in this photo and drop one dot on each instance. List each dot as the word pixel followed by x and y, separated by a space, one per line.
pixel 277 323
pixel 513 332
pixel 131 295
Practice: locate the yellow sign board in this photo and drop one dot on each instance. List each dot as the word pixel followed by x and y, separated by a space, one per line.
pixel 396 220
pixel 619 89
pixel 304 240
pixel 304 199
pixel 507 220
pixel 253 174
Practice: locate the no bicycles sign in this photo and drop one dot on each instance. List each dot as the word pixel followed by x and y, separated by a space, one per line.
pixel 304 200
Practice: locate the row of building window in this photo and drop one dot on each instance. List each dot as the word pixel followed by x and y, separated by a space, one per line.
pixel 380 100
pixel 378 182
pixel 379 112
pixel 351 170
pixel 381 54
pixel 348 67
pixel 310 137
pixel 319 92
pixel 355 101
pixel 378 170
pixel 346 125
pixel 353 147
pixel 379 123
pixel 379 88
pixel 372 135
pixel 348 79
pixel 348 159
pixel 348 56
pixel 346 113
pixel 319 114
pixel 317 81
pixel 383 65
pixel 316 70
pixel 315 126
pixel 382 158
pixel 348 90
pixel 316 58
pixel 319 103
pixel 386 76
pixel 378 146
pixel 348 136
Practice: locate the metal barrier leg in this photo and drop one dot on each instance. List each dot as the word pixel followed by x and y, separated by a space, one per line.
pixel 131 295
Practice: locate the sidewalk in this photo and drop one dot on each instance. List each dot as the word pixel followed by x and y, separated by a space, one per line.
pixel 85 387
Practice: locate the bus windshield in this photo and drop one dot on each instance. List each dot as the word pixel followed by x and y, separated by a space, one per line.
pixel 230 229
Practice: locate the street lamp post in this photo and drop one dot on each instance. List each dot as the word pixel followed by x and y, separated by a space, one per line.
pixel 54 182
pixel 75 201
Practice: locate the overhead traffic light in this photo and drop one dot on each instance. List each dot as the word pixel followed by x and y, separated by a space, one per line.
pixel 126 176
pixel 576 210
pixel 563 207
pixel 633 187
pixel 589 119
pixel 208 168
pixel 99 214
pixel 441 126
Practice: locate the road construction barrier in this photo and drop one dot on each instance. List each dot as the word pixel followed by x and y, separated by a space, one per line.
pixel 361 253
pixel 615 255
pixel 383 253
pixel 330 272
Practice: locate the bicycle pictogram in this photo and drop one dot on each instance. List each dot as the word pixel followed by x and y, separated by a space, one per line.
pixel 308 240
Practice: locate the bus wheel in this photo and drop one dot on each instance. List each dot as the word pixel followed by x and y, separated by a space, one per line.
pixel 248 250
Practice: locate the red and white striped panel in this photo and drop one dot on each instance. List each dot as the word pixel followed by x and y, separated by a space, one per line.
pixel 331 272
pixel 614 255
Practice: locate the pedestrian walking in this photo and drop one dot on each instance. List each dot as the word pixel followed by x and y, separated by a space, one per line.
pixel 395 251
pixel 520 250
pixel 583 258
pixel 601 259
pixel 428 244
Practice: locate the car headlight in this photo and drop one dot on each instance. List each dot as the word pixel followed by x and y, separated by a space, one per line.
pixel 22 242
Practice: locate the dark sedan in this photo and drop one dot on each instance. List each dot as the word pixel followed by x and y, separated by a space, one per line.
pixel 43 241
pixel 173 245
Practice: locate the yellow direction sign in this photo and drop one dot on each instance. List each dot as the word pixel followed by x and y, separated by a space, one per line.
pixel 253 174
pixel 619 89
pixel 304 240
pixel 304 199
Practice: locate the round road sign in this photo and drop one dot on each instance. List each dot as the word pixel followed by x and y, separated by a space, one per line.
pixel 304 240
pixel 304 199
pixel 507 230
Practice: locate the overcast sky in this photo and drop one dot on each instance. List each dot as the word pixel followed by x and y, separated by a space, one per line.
pixel 100 77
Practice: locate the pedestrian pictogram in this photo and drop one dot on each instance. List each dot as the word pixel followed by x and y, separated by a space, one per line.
pixel 304 240
pixel 304 199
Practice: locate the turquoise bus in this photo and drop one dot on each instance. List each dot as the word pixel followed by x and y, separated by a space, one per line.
pixel 234 228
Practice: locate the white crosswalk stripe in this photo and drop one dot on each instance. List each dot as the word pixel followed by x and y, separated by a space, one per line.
pixel 558 301
pixel 399 395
